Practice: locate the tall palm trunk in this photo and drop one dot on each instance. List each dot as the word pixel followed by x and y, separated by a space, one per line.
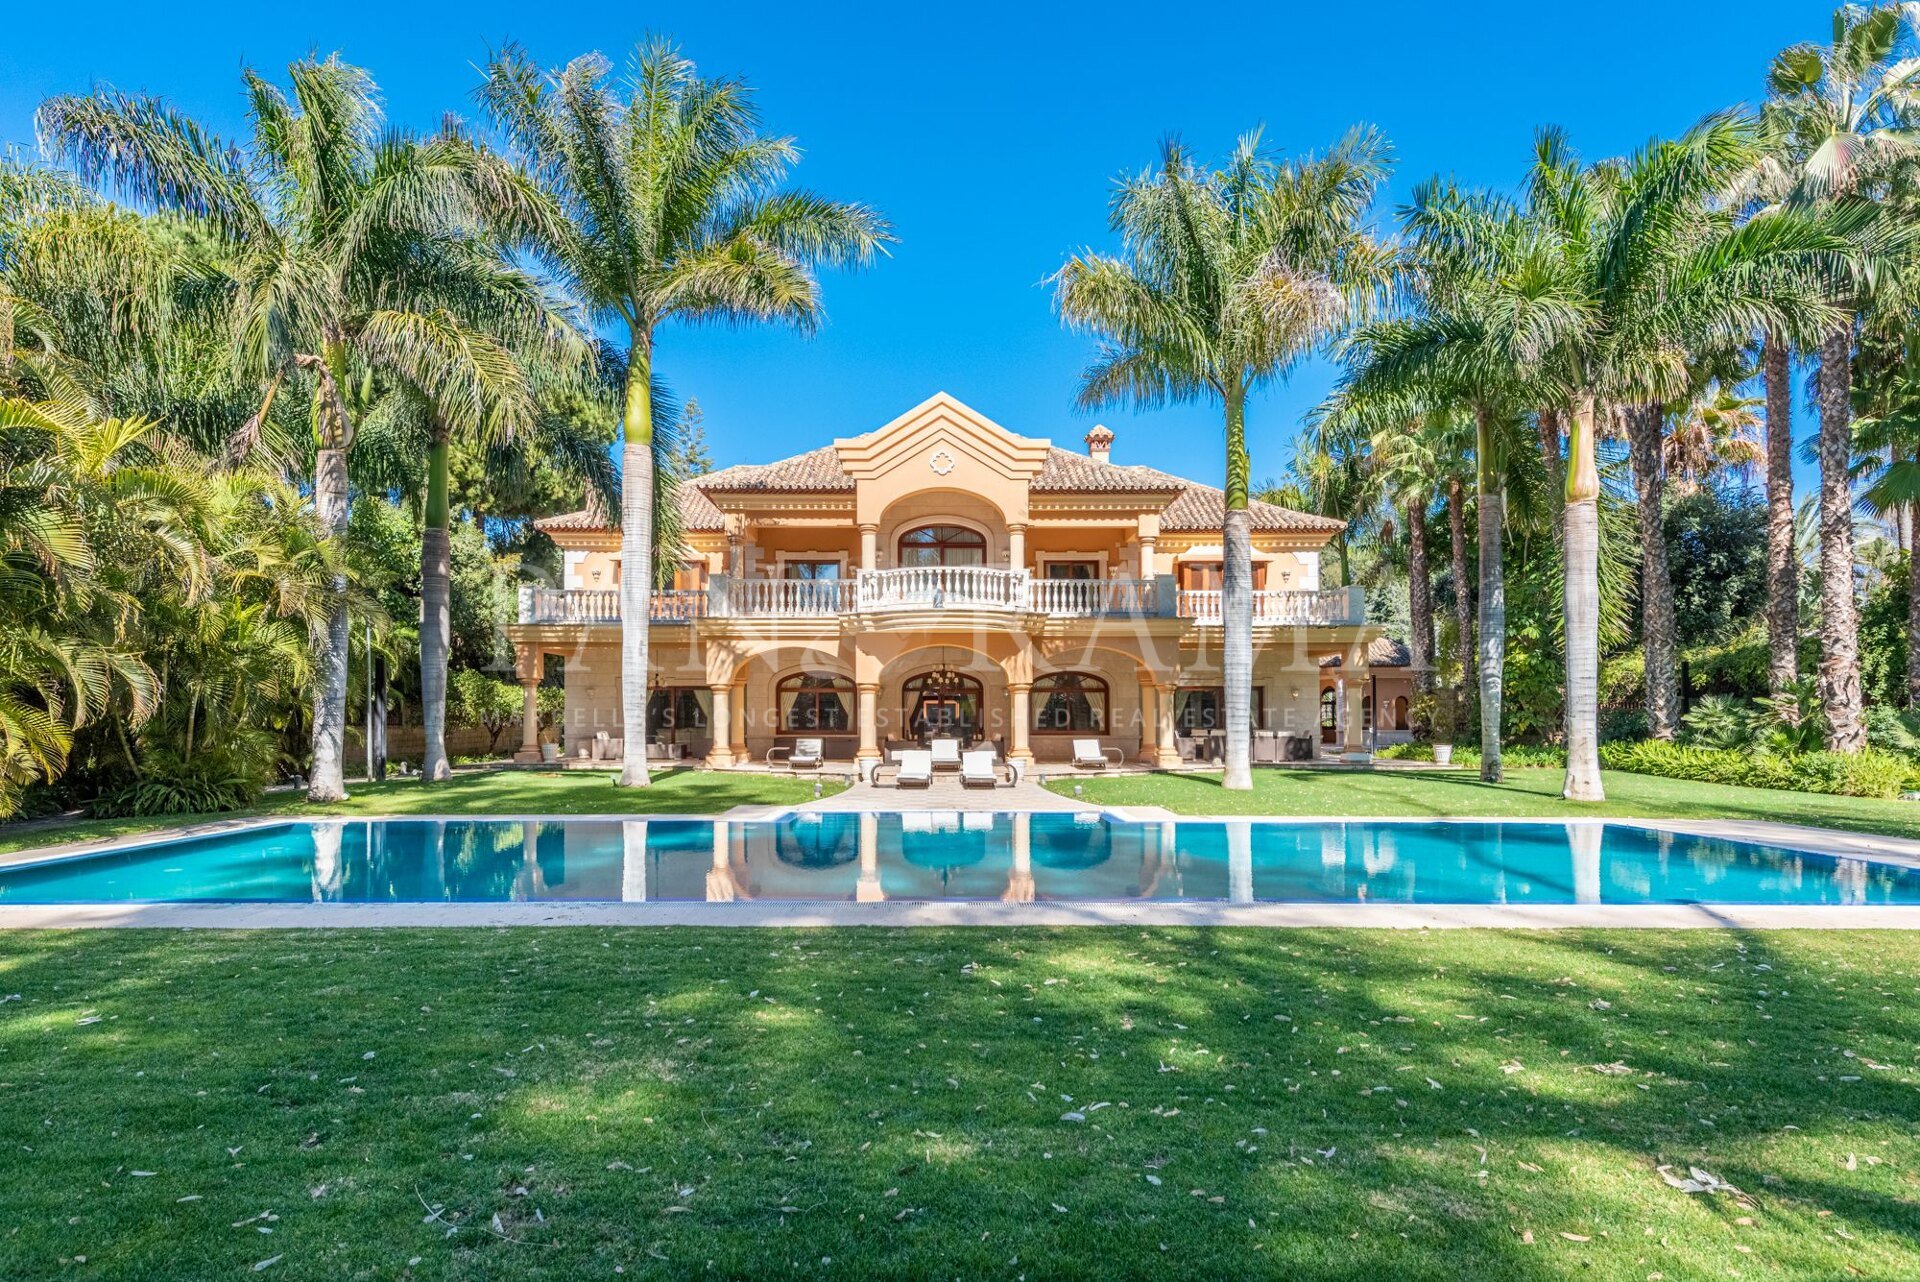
pixel 436 573
pixel 1839 626
pixel 1547 427
pixel 327 782
pixel 1462 585
pixel 1783 564
pixel 1491 499
pixel 1913 622
pixel 636 560
pixel 1236 599
pixel 1419 595
pixel 1644 423
pixel 1581 542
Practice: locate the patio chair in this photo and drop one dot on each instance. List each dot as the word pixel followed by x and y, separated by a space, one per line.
pixel 805 754
pixel 946 753
pixel 1088 754
pixel 915 770
pixel 977 770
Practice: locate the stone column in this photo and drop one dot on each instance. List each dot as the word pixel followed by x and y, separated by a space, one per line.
pixel 1019 693
pixel 1353 692
pixel 868 697
pixel 1148 718
pixel 737 728
pixel 1146 557
pixel 1163 710
pixel 720 725
pixel 529 720
pixel 869 546
pixel 1016 546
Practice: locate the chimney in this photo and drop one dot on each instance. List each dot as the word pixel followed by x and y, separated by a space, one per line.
pixel 1099 443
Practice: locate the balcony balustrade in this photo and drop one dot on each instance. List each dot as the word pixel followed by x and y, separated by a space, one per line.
pixel 912 589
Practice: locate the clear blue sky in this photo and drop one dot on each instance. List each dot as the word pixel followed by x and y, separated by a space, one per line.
pixel 990 135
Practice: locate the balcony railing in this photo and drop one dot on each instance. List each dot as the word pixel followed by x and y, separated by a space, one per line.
pixel 938 587
pixel 1335 608
pixel 965 587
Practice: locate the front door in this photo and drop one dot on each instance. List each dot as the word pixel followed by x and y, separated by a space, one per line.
pixel 1329 715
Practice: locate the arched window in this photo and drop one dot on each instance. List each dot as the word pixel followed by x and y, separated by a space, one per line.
pixel 1069 703
pixel 943 710
pixel 1400 721
pixel 815 701
pixel 1329 709
pixel 943 545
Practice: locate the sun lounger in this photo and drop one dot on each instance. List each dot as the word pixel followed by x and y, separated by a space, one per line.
pixel 915 770
pixel 946 754
pixel 977 770
pixel 1088 754
pixel 805 754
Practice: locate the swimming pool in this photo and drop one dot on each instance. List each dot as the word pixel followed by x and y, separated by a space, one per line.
pixel 953 856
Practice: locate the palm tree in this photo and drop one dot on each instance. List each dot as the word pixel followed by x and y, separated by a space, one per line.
pixel 1670 281
pixel 1491 305
pixel 333 228
pixel 1226 279
pixel 1719 431
pixel 673 210
pixel 1848 110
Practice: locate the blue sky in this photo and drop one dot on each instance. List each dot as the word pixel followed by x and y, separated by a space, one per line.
pixel 990 134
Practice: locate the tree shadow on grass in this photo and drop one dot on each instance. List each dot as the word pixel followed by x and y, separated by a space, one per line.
pixel 898 1102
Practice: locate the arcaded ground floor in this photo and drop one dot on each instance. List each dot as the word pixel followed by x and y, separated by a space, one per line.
pixel 1153 701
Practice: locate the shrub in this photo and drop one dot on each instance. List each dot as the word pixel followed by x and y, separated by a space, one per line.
pixel 212 780
pixel 1866 774
pixel 1519 755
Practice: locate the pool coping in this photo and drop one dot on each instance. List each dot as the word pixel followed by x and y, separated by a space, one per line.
pixel 1830 842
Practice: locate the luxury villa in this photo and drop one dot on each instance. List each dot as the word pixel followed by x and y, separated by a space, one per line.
pixel 942 575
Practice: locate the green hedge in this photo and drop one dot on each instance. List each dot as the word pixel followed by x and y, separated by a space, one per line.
pixel 1864 774
pixel 1517 756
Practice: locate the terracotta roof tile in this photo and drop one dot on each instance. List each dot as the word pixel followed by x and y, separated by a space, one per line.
pixel 816 471
pixel 1382 652
pixel 1201 507
pixel 698 515
pixel 1192 507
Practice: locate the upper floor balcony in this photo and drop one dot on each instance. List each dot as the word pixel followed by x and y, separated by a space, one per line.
pixel 876 594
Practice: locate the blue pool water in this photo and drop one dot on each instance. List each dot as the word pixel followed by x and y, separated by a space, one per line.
pixel 955 856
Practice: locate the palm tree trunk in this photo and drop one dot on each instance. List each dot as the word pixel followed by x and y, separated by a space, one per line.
pixel 1462 585
pixel 1839 624
pixel 636 559
pixel 1236 600
pixel 1547 426
pixel 1491 499
pixel 1783 565
pixel 1419 595
pixel 1656 584
pixel 327 781
pixel 1582 605
pixel 436 572
pixel 1913 623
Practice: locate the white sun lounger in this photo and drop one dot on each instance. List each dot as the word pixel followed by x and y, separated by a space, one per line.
pixel 805 754
pixel 916 769
pixel 1088 754
pixel 978 771
pixel 946 754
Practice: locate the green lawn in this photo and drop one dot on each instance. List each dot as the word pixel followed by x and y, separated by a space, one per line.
pixel 1526 793
pixel 505 792
pixel 986 1103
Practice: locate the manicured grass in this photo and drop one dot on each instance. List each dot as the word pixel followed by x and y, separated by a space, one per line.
pixel 504 792
pixel 1456 793
pixel 988 1103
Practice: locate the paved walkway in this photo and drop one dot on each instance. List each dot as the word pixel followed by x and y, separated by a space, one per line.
pixel 947 793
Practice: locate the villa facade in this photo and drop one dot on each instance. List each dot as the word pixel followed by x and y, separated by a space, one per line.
pixel 945 575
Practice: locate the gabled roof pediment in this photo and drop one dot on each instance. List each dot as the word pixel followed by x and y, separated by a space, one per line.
pixel 942 422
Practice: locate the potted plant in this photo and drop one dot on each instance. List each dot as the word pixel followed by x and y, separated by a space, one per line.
pixel 1442 714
